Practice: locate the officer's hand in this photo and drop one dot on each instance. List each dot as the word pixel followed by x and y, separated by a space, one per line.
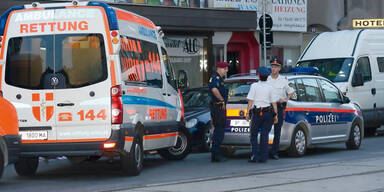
pixel 275 119
pixel 247 117
pixel 282 100
pixel 223 105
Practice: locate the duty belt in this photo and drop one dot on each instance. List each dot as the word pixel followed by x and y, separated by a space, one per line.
pixel 262 109
pixel 281 105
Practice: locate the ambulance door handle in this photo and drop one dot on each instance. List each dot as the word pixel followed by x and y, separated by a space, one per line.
pixel 164 94
pixel 65 104
pixel 306 112
pixel 169 94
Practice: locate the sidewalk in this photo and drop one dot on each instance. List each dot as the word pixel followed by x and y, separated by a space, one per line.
pixel 351 176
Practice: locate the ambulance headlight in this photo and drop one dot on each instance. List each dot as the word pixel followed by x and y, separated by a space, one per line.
pixel 191 123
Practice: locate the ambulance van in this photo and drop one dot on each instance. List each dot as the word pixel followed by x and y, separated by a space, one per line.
pixel 354 61
pixel 90 80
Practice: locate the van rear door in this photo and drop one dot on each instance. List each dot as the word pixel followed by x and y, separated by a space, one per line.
pixel 57 73
pixel 82 93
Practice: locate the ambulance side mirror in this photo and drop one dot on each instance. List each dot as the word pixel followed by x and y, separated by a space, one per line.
pixel 182 79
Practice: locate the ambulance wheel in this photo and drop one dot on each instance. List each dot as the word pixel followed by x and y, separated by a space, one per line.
pixel 228 151
pixel 132 163
pixel 1 162
pixel 181 149
pixel 354 140
pixel 298 143
pixel 206 144
pixel 26 166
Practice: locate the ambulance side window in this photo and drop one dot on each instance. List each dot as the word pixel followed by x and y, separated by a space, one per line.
pixel 331 93
pixel 293 85
pixel 169 69
pixel 140 62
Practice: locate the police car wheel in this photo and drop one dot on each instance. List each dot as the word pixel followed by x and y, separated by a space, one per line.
pixel 298 143
pixel 206 139
pixel 181 149
pixel 26 166
pixel 1 162
pixel 132 163
pixel 354 140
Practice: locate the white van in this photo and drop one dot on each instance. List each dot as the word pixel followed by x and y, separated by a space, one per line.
pixel 354 61
pixel 89 80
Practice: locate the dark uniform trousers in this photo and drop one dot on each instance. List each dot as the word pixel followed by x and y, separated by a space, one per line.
pixel 277 128
pixel 260 122
pixel 218 120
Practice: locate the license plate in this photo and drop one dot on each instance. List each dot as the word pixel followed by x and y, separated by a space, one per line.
pixel 239 123
pixel 34 135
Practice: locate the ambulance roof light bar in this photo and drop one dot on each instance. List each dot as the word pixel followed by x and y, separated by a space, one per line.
pixel 111 14
pixel 4 17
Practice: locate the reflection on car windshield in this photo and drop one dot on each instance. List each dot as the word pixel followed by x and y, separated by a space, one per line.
pixel 196 98
pixel 336 70
pixel 238 90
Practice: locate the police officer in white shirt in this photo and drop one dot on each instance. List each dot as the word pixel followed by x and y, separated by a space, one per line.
pixel 283 92
pixel 262 115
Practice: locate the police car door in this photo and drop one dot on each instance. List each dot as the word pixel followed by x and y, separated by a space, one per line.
pixel 314 108
pixel 337 118
pixel 81 77
pixel 171 93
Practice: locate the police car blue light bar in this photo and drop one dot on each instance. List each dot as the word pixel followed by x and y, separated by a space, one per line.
pixel 4 17
pixel 304 70
pixel 111 14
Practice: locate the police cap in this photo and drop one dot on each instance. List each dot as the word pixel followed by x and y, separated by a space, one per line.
pixel 263 71
pixel 222 64
pixel 275 61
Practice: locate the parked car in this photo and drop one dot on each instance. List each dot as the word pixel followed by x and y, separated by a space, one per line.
pixel 317 113
pixel 10 139
pixel 197 116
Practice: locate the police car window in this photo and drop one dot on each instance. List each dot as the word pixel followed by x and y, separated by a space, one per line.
pixel 293 85
pixel 380 63
pixel 312 90
pixel 364 68
pixel 168 69
pixel 238 90
pixel 331 93
pixel 140 62
pixel 300 90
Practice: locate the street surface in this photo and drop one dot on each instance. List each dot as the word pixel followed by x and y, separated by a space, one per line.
pixel 325 168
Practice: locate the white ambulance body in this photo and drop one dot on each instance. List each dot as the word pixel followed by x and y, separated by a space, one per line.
pixel 89 80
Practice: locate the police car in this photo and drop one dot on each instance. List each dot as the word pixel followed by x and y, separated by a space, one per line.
pixel 317 113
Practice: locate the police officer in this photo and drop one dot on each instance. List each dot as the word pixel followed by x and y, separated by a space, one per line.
pixel 219 97
pixel 262 115
pixel 283 92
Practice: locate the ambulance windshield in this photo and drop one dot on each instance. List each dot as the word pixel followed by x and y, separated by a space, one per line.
pixel 336 70
pixel 56 61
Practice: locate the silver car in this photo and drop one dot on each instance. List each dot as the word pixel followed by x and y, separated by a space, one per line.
pixel 317 113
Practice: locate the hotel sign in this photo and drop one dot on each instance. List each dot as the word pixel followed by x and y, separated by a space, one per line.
pixel 368 23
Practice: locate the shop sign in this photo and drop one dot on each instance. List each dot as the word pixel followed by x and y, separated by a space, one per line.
pixel 287 15
pixel 183 46
pixel 368 23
